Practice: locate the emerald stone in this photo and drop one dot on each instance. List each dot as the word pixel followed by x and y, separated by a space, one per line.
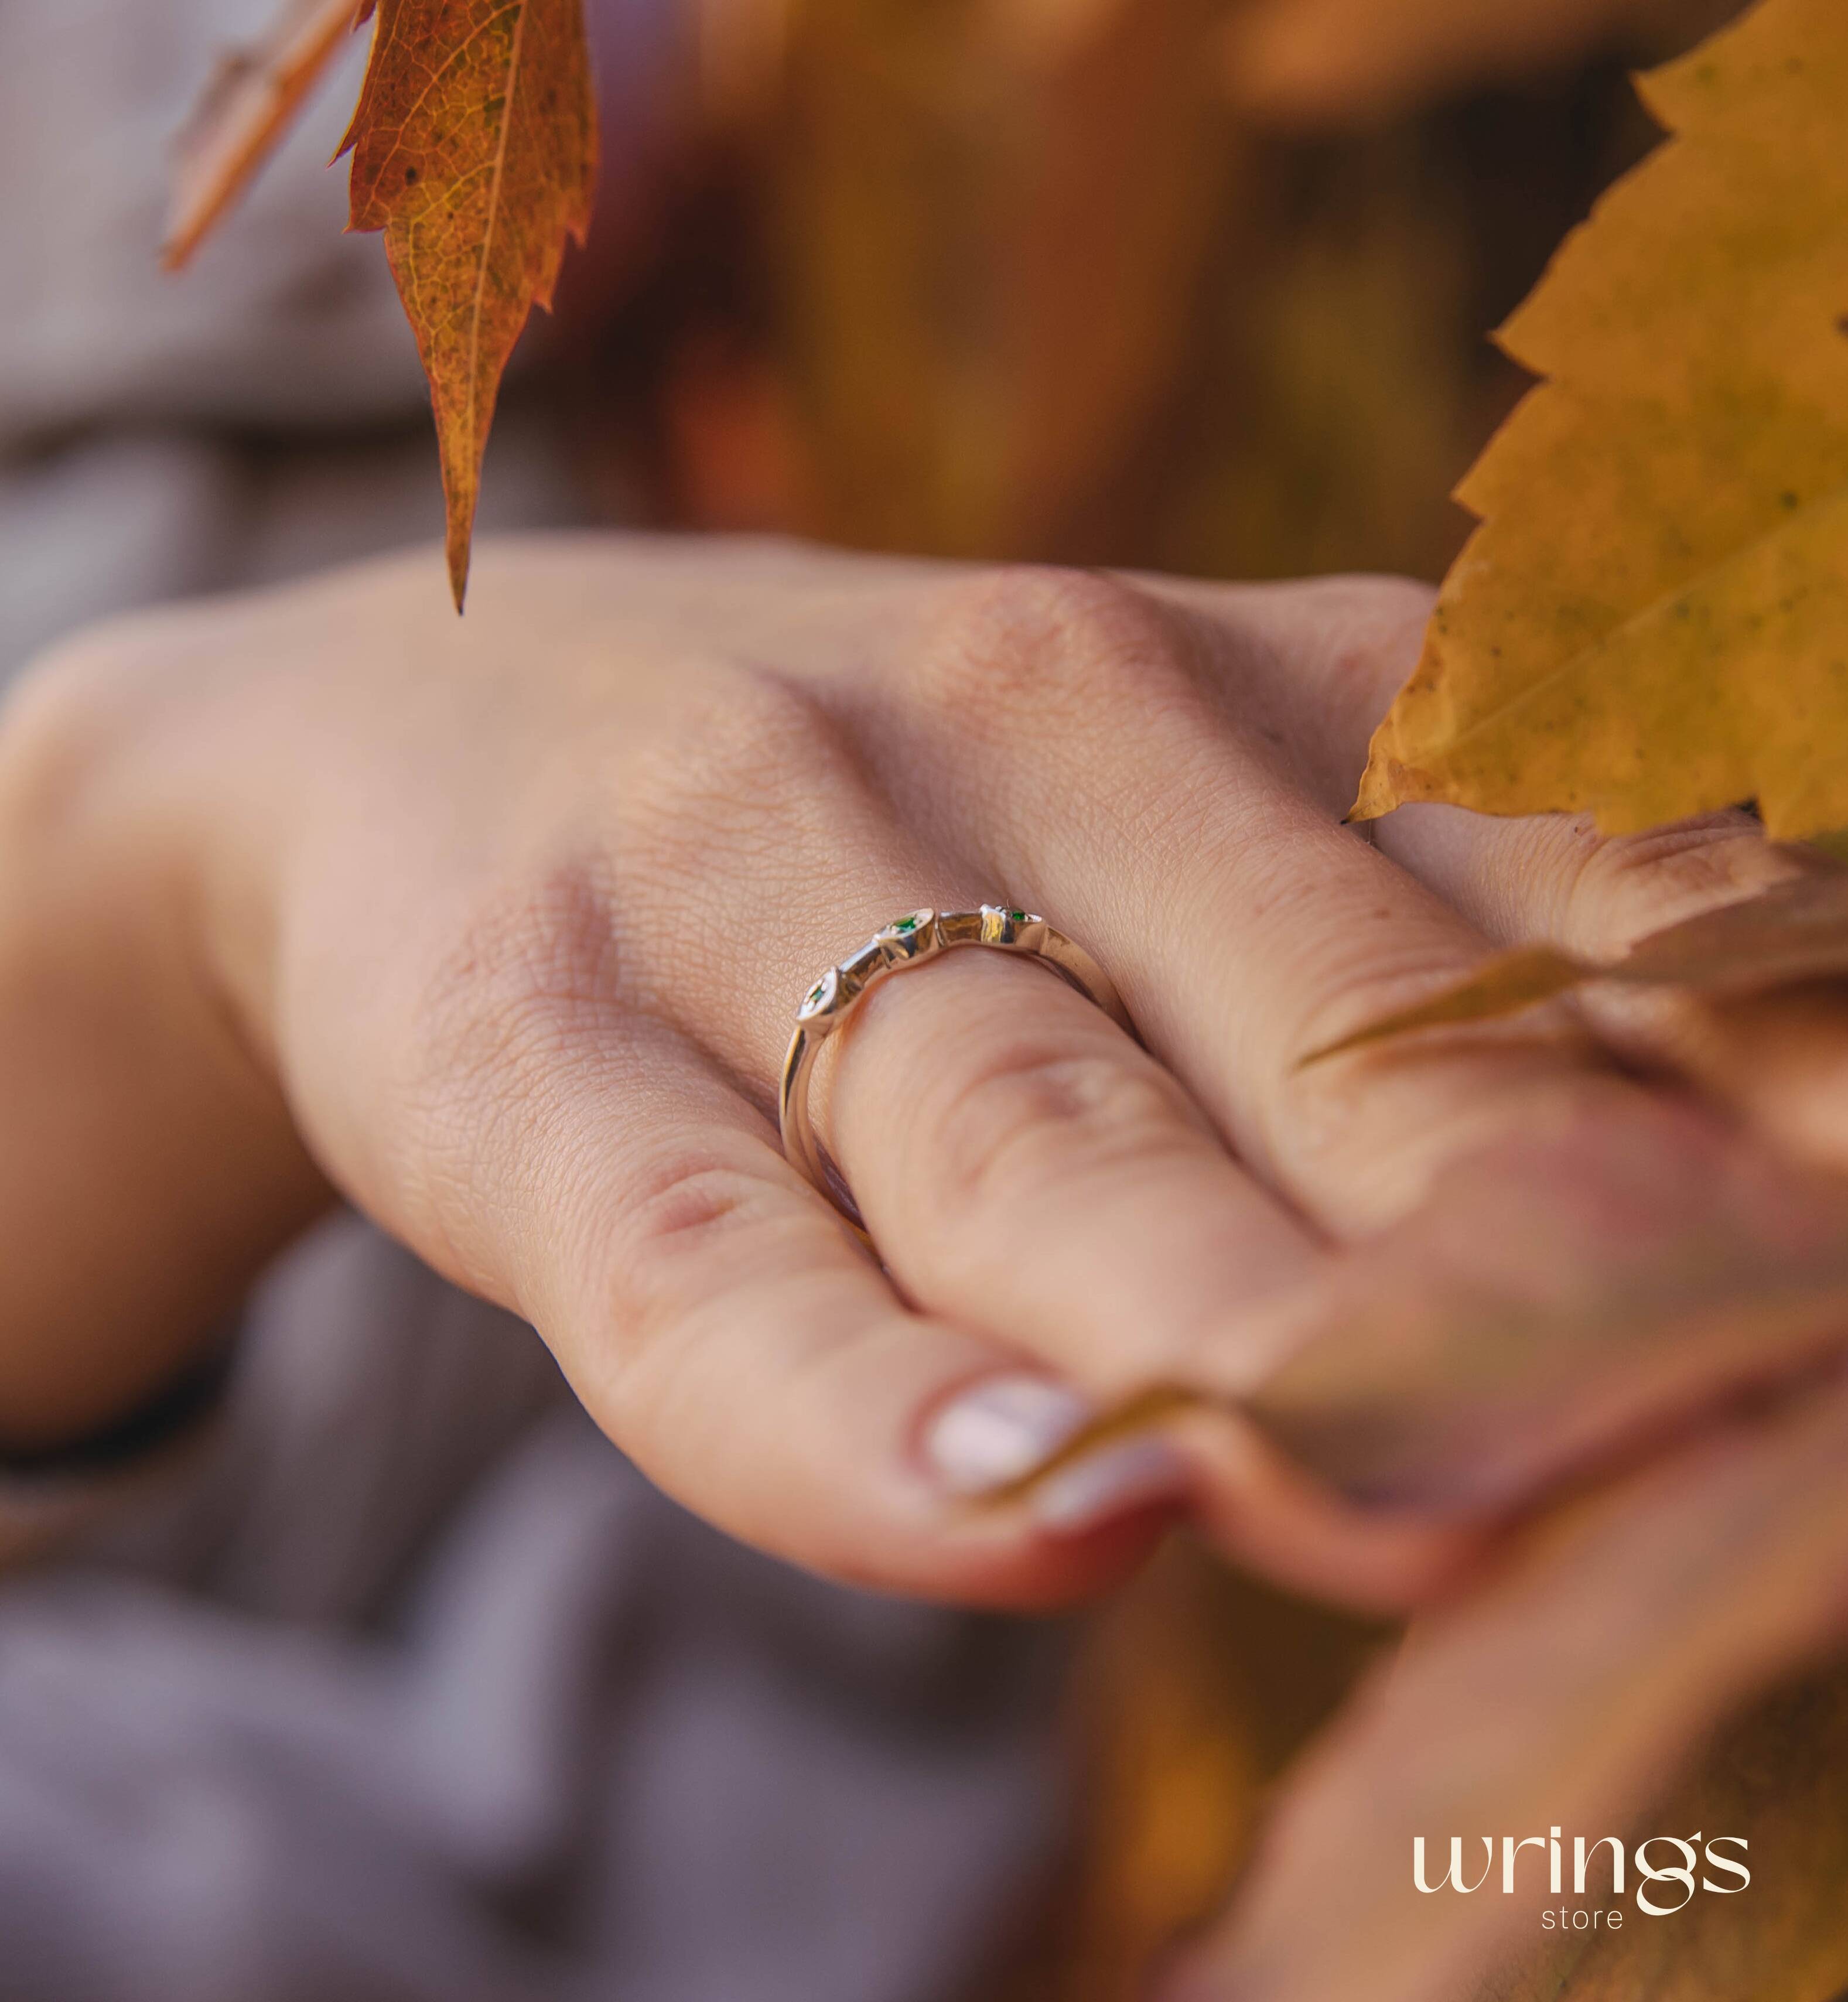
pixel 903 926
pixel 821 996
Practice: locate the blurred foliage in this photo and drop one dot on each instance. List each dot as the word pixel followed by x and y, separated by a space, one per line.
pixel 1028 278
pixel 1197 1688
pixel 1777 1772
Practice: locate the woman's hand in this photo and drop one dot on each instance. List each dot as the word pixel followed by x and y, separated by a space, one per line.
pixel 498 929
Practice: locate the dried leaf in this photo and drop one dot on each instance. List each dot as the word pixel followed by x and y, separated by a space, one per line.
pixel 244 111
pixel 1652 620
pixel 1573 1688
pixel 1556 1306
pixel 1193 1690
pixel 474 150
pixel 1795 932
pixel 1559 1304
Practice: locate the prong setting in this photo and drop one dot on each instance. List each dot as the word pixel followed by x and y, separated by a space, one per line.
pixel 1003 925
pixel 822 998
pixel 909 937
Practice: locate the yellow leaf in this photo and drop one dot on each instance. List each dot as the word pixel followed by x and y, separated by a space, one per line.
pixel 1652 620
pixel 1503 986
pixel 474 149
pixel 245 109
pixel 1797 931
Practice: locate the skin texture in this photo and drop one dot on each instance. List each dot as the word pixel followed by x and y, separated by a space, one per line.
pixel 496 929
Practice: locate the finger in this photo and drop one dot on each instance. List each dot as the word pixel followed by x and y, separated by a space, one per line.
pixel 1580 1283
pixel 1026 1168
pixel 1029 1171
pixel 489 1047
pixel 1245 927
pixel 1133 775
pixel 714 1314
pixel 1779 1059
pixel 1023 1163
pixel 1561 1696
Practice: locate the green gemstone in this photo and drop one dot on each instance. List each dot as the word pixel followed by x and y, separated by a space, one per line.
pixel 903 926
pixel 816 993
pixel 1019 917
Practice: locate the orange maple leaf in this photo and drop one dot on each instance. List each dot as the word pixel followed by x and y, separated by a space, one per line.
pixel 474 150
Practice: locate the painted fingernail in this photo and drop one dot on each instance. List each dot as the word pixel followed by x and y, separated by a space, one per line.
pixel 1001 1430
pixel 1110 1482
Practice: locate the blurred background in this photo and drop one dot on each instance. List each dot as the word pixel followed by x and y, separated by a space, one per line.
pixel 1194 284
pixel 1181 283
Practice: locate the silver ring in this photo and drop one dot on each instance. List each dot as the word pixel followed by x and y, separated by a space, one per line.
pixel 908 941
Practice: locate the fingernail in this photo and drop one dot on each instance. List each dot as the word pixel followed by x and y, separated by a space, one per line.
pixel 1110 1482
pixel 1001 1430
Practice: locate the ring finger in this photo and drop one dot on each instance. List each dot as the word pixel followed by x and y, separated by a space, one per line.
pixel 1028 1172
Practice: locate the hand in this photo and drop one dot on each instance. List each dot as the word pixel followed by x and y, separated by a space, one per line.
pixel 497 928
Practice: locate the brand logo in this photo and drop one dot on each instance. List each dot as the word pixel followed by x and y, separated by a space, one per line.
pixel 1667 1872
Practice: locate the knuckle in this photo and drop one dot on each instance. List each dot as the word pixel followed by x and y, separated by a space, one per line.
pixel 744 752
pixel 699 1235
pixel 538 950
pixel 1369 631
pixel 1621 886
pixel 1371 626
pixel 500 1007
pixel 682 1212
pixel 1036 1120
pixel 1041 645
pixel 682 1204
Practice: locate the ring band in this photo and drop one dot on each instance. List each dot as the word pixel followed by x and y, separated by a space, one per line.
pixel 910 941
